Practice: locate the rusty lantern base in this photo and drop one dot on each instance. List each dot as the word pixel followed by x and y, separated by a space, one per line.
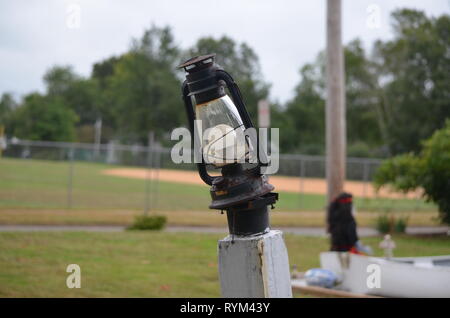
pixel 245 195
pixel 251 218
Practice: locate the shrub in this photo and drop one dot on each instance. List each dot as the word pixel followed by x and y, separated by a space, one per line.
pixel 143 222
pixel 386 223
pixel 383 224
pixel 400 224
pixel 359 150
pixel 430 171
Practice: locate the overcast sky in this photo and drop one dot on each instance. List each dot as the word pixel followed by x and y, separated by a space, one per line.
pixel 35 35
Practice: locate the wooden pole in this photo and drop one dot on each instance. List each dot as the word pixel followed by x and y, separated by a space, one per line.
pixel 335 105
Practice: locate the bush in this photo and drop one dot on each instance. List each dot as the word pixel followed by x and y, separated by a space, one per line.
pixel 383 224
pixel 430 171
pixel 400 224
pixel 143 222
pixel 359 150
pixel 386 223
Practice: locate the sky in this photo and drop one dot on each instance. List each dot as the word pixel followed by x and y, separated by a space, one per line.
pixel 285 34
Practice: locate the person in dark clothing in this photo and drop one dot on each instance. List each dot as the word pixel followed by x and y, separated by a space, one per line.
pixel 342 224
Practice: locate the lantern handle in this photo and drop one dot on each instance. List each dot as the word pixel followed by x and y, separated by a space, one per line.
pixel 236 95
pixel 201 167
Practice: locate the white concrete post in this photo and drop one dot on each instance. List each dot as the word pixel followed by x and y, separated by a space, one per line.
pixel 254 266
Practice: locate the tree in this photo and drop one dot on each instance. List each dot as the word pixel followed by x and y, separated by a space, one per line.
pixel 59 79
pixel 102 72
pixel 77 93
pixel 144 90
pixel 413 77
pixel 305 112
pixel 395 97
pixel 241 62
pixel 304 120
pixel 429 170
pixel 44 118
pixel 363 125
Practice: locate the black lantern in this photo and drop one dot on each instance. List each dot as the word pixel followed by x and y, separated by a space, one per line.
pixel 243 193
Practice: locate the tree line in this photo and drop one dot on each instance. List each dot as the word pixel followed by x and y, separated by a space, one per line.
pixel 396 95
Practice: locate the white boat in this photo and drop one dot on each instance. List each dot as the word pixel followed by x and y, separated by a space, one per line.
pixel 394 277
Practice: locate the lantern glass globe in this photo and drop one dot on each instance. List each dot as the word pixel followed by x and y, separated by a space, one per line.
pixel 222 131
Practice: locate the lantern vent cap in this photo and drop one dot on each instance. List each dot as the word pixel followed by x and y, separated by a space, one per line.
pixel 198 63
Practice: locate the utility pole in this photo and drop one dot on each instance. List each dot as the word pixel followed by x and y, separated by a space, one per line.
pixel 335 106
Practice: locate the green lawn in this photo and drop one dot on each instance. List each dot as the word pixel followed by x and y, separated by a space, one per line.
pixel 144 264
pixel 44 184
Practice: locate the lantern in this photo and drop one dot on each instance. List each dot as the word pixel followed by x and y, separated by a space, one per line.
pixel 222 123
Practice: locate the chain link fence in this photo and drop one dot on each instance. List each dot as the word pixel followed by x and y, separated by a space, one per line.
pixel 41 174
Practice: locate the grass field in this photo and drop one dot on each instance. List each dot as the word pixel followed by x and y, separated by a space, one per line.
pixel 144 264
pixel 36 191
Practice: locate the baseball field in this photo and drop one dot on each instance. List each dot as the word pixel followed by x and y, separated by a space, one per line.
pixel 153 264
pixel 54 192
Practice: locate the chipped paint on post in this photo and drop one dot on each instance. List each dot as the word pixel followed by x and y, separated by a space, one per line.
pixel 263 266
pixel 255 266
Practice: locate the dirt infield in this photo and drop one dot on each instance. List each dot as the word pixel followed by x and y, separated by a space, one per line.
pixel 283 184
